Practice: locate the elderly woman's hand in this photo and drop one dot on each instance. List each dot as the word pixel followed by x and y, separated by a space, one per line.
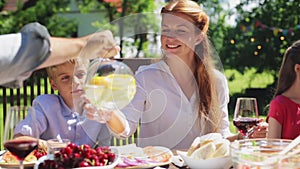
pixel 260 131
pixel 100 44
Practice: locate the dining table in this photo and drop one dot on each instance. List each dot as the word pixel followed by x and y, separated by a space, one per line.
pixel 171 165
pixel 168 166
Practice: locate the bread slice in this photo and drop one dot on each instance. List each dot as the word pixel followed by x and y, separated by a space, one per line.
pixel 204 152
pixel 222 148
pixel 195 145
pixel 203 140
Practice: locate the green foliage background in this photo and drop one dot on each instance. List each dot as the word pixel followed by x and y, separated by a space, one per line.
pixel 271 24
pixel 42 11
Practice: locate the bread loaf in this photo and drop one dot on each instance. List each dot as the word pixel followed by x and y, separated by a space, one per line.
pixel 209 146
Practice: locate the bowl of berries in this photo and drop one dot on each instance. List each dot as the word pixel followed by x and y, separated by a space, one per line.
pixel 80 156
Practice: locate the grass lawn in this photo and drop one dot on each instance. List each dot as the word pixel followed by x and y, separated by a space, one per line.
pixel 232 127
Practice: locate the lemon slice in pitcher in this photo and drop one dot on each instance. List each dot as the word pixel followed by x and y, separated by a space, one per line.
pixel 113 91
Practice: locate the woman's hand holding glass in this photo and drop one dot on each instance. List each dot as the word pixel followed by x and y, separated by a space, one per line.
pixel 260 131
pixel 246 119
pixel 245 115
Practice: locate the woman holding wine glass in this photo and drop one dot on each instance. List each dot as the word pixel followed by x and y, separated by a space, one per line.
pixel 18 144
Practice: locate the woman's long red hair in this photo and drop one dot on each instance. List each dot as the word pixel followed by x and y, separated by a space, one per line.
pixel 208 105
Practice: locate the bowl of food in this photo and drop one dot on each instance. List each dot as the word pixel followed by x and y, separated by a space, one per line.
pixel 263 154
pixel 210 151
pixel 81 156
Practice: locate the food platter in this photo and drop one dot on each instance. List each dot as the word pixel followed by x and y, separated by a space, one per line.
pixel 15 164
pixel 129 157
pixel 132 157
pixel 110 166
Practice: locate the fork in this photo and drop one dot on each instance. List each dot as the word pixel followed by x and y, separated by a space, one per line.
pixel 1 153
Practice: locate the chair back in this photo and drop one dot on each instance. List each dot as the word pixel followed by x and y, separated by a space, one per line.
pixel 13 116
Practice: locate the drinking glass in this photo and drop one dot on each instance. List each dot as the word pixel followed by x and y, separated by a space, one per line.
pixel 246 116
pixel 19 147
pixel 55 145
pixel 110 84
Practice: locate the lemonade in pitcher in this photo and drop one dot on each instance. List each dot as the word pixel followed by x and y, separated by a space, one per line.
pixel 111 90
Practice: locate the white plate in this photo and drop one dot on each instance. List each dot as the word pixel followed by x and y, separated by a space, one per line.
pixel 132 152
pixel 13 165
pixel 212 163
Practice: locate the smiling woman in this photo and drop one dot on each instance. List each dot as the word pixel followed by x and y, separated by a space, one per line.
pixel 182 88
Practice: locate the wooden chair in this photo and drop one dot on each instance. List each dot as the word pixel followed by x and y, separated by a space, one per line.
pixel 130 140
pixel 13 116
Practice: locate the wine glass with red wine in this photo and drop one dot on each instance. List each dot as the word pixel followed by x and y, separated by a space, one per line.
pixel 20 147
pixel 246 116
